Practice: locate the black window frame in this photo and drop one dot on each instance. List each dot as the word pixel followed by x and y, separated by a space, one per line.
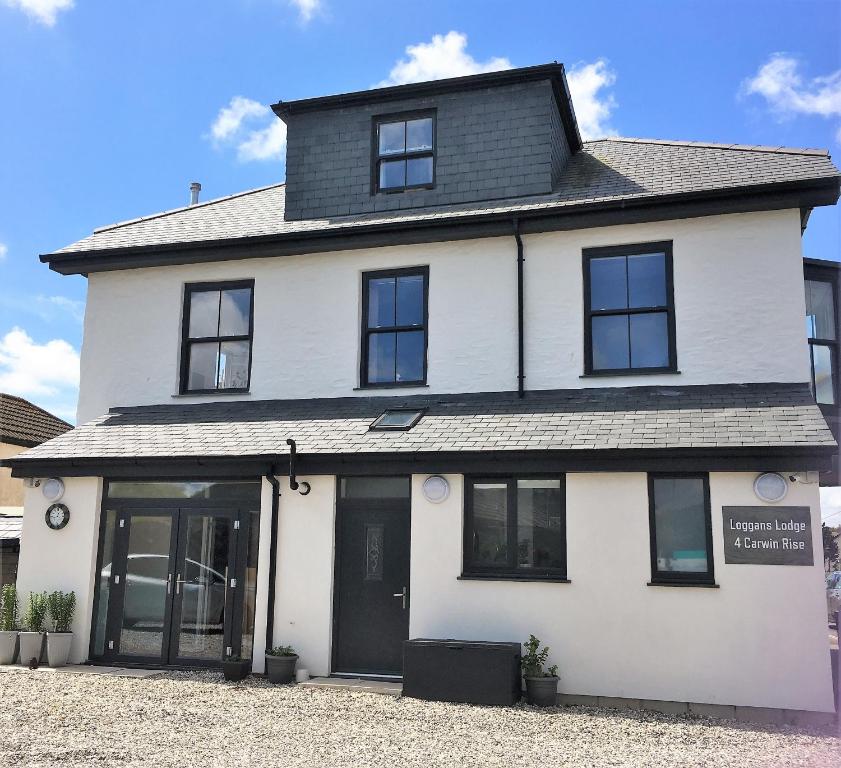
pixel 818 275
pixel 681 578
pixel 187 342
pixel 509 572
pixel 367 332
pixel 635 249
pixel 378 426
pixel 377 159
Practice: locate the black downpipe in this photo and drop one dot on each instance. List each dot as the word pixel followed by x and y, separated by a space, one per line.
pixel 275 483
pixel 521 362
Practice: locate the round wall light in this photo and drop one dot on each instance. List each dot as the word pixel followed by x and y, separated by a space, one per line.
pixel 770 487
pixel 52 488
pixel 436 489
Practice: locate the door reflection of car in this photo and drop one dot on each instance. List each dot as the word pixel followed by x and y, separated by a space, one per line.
pixel 833 595
pixel 202 587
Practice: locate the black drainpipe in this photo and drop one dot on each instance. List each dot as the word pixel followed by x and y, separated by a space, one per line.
pixel 270 476
pixel 521 364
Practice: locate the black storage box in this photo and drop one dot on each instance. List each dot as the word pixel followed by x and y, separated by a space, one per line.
pixel 462 671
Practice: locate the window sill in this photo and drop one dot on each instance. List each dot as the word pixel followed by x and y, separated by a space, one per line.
pixel 396 385
pixel 641 372
pixel 214 393
pixel 703 585
pixel 511 577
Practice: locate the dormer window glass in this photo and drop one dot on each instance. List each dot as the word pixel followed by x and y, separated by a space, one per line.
pixel 405 153
pixel 216 337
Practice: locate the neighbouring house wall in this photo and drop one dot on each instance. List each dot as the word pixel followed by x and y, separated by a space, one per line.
pixel 759 640
pixel 738 296
pixel 11 488
pixel 65 559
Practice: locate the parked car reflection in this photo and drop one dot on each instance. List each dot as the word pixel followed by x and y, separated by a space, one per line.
pixel 203 590
pixel 833 594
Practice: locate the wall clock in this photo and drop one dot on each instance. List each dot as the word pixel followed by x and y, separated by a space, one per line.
pixel 57 516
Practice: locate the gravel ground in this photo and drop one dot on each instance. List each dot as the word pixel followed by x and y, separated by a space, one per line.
pixel 197 719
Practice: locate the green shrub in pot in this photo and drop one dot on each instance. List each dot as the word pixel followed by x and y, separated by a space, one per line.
pixel 31 636
pixel 280 664
pixel 235 668
pixel 541 684
pixel 62 607
pixel 8 624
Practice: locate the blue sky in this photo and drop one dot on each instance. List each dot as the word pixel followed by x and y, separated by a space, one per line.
pixel 110 109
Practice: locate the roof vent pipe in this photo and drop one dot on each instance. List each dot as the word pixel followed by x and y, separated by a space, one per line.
pixel 195 188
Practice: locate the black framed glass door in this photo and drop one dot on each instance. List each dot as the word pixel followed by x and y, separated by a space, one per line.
pixel 173 584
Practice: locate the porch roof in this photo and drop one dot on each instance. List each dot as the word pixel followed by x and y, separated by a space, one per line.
pixel 778 419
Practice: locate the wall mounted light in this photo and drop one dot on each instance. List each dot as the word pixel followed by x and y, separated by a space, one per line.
pixel 304 487
pixel 770 487
pixel 436 489
pixel 52 488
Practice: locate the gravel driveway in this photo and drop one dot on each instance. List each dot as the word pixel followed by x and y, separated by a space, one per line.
pixel 196 719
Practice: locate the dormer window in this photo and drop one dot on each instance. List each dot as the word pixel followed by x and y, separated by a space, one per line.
pixel 405 152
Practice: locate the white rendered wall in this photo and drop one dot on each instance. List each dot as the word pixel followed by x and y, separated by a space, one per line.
pixel 738 296
pixel 65 559
pixel 759 640
pixel 304 586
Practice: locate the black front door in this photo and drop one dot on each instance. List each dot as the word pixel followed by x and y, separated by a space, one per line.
pixel 173 584
pixel 372 585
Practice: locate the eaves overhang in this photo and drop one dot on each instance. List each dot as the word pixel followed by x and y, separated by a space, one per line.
pixel 773 196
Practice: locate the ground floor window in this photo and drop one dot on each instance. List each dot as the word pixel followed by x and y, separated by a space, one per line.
pixel 681 531
pixel 515 527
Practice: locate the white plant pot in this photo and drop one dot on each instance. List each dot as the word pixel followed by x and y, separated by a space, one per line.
pixel 31 645
pixel 58 648
pixel 8 647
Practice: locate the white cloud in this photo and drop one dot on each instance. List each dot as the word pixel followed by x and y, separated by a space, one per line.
pixel 46 373
pixel 307 9
pixel 252 128
pixel 43 11
pixel 443 56
pixel 4 250
pixel 831 506
pixel 47 308
pixel 781 84
pixel 593 108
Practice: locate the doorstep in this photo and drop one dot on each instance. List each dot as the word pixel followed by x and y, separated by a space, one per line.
pixel 84 669
pixel 355 684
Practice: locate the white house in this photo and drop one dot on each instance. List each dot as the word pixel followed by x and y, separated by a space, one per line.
pixel 462 376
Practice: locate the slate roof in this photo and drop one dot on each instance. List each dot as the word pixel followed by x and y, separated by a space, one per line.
pixel 712 416
pixel 10 526
pixel 25 424
pixel 604 171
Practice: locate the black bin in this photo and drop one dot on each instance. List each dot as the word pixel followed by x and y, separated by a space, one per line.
pixel 469 672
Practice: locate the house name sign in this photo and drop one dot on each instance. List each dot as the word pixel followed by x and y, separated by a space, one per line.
pixel 767 535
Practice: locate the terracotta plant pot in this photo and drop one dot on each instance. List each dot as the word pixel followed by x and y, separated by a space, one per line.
pixel 236 670
pixel 58 648
pixel 31 647
pixel 281 669
pixel 8 647
pixel 542 691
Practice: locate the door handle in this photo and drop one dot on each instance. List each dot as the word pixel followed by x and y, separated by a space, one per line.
pixel 403 595
pixel 169 583
pixel 178 584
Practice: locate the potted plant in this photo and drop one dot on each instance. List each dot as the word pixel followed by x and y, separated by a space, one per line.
pixel 235 668
pixel 32 638
pixel 280 664
pixel 8 624
pixel 62 606
pixel 541 685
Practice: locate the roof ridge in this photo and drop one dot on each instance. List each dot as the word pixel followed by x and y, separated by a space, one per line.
pixel 36 407
pixel 181 209
pixel 717 145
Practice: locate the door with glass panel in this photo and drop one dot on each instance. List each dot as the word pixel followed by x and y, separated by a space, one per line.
pixel 177 580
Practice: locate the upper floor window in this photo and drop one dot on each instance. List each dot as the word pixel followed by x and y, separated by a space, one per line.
pixel 394 327
pixel 515 527
pixel 629 322
pixel 821 328
pixel 216 337
pixel 405 153
pixel 681 529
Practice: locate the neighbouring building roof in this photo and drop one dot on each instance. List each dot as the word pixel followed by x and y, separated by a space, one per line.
pixel 714 417
pixel 25 424
pixel 609 173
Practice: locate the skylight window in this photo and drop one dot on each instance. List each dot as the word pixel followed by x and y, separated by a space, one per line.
pixel 397 419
